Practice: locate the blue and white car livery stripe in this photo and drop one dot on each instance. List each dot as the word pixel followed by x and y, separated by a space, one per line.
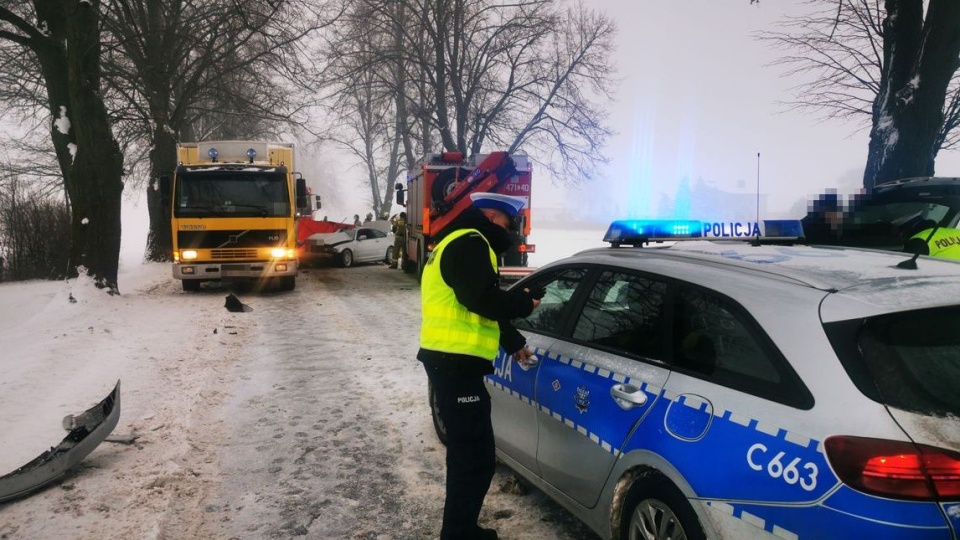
pixel 738 467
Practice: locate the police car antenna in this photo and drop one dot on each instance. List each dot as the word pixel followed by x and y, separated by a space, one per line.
pixel 757 237
pixel 758 187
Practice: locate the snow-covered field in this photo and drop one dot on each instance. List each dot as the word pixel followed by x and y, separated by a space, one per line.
pixel 304 417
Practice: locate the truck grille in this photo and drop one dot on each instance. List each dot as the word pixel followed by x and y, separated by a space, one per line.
pixel 226 254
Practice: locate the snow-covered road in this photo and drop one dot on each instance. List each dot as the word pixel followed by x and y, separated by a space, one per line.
pixel 305 417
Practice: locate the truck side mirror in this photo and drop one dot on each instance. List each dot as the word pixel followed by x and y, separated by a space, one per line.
pixel 303 204
pixel 400 198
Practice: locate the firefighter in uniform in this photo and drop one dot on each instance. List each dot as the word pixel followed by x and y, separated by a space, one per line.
pixel 465 321
pixel 399 239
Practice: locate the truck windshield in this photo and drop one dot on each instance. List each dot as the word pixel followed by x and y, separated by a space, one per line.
pixel 232 193
pixel 908 360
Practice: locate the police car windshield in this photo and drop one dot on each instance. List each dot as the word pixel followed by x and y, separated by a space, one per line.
pixel 908 360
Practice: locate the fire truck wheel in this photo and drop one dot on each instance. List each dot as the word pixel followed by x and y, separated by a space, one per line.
pixel 346 258
pixel 420 256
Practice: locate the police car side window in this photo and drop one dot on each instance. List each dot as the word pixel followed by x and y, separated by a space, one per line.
pixel 558 291
pixel 624 312
pixel 714 337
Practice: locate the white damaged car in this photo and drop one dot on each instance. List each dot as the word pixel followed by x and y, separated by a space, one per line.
pixel 371 242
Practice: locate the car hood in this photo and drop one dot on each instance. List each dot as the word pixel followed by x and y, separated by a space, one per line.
pixel 329 239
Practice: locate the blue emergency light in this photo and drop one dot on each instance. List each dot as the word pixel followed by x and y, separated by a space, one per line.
pixel 637 232
pixel 251 153
pixel 213 153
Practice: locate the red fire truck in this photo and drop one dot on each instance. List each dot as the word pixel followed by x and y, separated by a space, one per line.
pixel 437 192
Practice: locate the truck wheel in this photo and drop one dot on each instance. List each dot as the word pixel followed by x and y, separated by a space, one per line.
pixel 388 258
pixel 656 510
pixel 346 258
pixel 190 285
pixel 435 414
pixel 287 283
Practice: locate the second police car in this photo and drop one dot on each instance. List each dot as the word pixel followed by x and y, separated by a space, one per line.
pixel 737 390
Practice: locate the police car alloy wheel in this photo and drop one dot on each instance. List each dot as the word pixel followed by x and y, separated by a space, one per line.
pixel 655 510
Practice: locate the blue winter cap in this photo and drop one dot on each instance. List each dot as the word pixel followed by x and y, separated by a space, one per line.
pixel 508 204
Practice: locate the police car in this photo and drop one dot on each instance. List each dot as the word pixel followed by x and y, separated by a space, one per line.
pixel 739 390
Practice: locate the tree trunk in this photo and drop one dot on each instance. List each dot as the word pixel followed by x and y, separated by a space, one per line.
pixel 98 164
pixel 919 60
pixel 89 156
pixel 163 161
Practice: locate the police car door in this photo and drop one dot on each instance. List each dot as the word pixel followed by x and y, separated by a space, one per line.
pixel 512 385
pixel 596 385
pixel 725 412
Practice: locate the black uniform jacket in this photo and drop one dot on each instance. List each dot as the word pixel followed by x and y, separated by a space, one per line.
pixel 465 267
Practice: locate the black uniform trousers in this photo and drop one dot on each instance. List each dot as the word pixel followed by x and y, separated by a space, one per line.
pixel 464 408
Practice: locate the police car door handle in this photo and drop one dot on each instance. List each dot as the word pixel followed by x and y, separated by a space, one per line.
pixel 530 362
pixel 628 396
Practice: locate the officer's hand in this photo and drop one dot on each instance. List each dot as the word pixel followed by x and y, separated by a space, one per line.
pixel 525 357
pixel 535 295
pixel 536 292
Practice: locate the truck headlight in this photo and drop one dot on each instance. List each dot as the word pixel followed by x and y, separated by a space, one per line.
pixel 283 253
pixel 188 254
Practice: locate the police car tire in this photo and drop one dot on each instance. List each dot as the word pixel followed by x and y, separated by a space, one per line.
pixel 658 493
pixel 435 414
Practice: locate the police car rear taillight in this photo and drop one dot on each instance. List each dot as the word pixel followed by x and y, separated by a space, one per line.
pixel 895 469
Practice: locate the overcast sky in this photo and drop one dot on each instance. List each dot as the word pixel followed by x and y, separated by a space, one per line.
pixel 700 100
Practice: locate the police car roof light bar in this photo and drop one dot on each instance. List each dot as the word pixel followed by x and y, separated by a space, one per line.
pixel 637 232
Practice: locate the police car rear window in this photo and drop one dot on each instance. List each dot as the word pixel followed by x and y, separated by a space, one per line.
pixel 908 360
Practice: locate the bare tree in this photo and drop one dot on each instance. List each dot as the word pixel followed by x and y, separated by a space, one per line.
pixel 364 101
pixel 217 68
pixel 64 38
pixel 887 64
pixel 476 74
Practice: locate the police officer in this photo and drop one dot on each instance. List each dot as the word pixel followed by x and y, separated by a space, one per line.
pixel 399 239
pixel 465 315
pixel 944 242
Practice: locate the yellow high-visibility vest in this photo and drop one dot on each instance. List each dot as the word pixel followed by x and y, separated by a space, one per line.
pixel 448 326
pixel 945 242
